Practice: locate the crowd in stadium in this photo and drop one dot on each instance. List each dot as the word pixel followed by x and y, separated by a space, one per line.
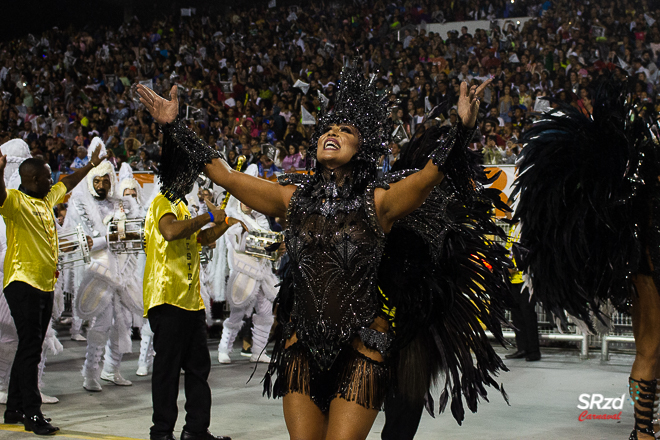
pixel 245 76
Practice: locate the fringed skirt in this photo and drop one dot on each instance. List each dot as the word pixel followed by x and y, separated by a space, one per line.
pixel 353 377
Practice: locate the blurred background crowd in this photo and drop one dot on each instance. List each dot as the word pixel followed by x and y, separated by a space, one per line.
pixel 249 77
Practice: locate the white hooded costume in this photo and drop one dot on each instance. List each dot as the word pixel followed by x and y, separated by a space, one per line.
pixel 17 151
pixel 127 182
pixel 251 284
pixel 109 289
pixel 197 207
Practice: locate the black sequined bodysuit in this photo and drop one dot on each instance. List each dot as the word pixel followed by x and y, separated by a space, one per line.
pixel 335 244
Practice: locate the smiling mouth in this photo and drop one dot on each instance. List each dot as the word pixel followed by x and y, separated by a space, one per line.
pixel 331 144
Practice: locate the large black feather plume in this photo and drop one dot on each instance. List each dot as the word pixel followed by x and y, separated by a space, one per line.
pixel 578 180
pixel 445 276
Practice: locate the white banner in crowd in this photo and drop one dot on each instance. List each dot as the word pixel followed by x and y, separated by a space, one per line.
pixel 148 83
pixel 324 99
pixel 472 26
pixel 302 86
pixel 542 105
pixel 307 118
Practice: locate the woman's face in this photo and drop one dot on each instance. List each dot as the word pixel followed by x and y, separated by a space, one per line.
pixel 337 146
pixel 292 149
pixel 231 154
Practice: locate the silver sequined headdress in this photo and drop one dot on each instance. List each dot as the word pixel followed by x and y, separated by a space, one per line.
pixel 358 104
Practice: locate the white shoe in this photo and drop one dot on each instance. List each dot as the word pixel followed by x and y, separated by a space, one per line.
pixel 142 371
pixel 116 378
pixel 78 337
pixel 224 358
pixel 91 384
pixel 48 399
pixel 262 359
pixel 3 397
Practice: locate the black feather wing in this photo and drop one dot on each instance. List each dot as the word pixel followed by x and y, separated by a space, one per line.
pixel 447 279
pixel 578 176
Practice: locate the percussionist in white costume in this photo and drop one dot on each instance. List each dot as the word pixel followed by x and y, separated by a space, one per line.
pixel 251 283
pixel 109 289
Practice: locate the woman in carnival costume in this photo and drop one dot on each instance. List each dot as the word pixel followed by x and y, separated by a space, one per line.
pixel 589 206
pixel 389 278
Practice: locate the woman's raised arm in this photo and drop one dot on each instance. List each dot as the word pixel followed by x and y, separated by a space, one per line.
pixel 264 196
pixel 269 198
pixel 405 196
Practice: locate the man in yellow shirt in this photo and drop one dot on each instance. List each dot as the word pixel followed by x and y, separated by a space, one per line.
pixel 30 273
pixel 174 306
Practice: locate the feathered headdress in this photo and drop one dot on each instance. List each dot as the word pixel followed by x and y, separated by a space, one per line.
pixel 358 104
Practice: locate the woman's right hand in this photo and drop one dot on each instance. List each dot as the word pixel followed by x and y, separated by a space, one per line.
pixel 163 111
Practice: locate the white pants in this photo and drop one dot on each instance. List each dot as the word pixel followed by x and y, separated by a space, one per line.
pixel 110 329
pixel 262 321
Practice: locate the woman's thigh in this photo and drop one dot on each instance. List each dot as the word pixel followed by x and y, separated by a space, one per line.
pixel 304 420
pixel 349 421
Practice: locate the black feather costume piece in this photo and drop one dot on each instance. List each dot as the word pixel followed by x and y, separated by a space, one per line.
pixel 183 158
pixel 583 196
pixel 445 276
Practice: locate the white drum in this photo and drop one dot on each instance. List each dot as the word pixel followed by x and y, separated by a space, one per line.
pixel 258 243
pixel 126 236
pixel 73 248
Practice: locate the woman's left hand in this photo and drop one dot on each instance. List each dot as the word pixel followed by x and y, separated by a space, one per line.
pixel 468 103
pixel 162 110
